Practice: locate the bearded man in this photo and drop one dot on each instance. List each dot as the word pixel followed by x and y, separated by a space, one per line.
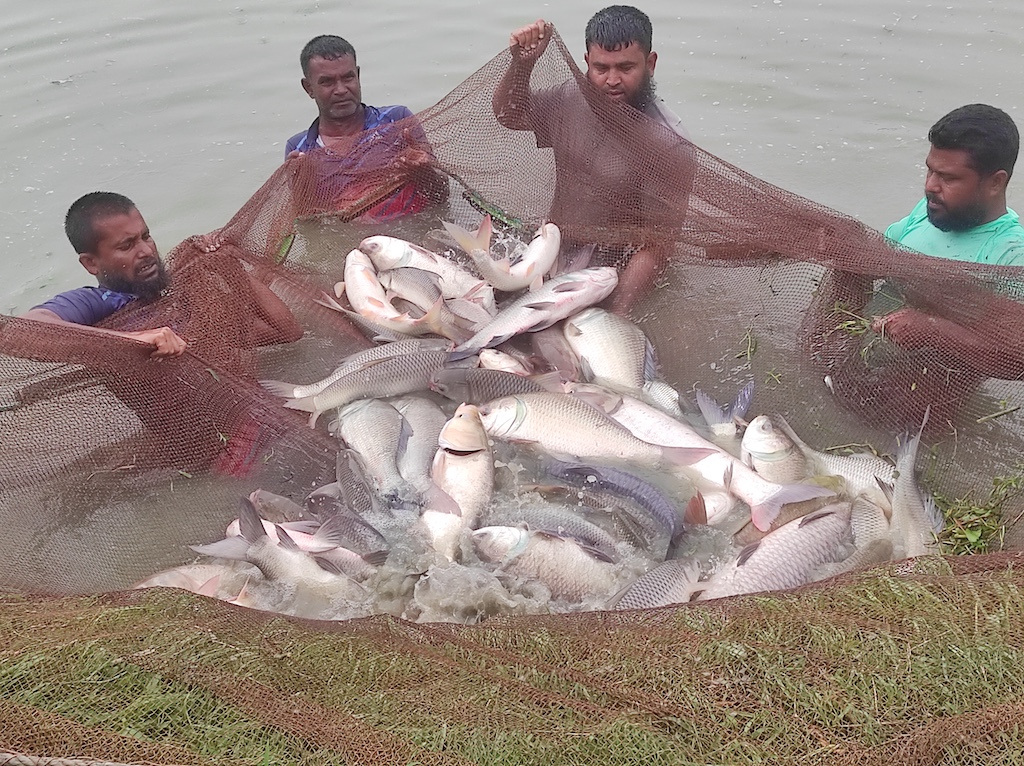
pixel 616 175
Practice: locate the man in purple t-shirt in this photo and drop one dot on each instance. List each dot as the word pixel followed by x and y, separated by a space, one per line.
pixel 114 244
pixel 365 138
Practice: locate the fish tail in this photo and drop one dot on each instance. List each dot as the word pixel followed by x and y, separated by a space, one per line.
pixel 471 241
pixel 764 513
pixel 686 455
pixel 279 388
pixel 302 403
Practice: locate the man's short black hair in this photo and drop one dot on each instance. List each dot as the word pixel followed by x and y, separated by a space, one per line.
pixel 330 47
pixel 617 26
pixel 987 134
pixel 85 211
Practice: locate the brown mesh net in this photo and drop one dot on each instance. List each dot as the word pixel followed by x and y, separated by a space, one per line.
pixel 114 463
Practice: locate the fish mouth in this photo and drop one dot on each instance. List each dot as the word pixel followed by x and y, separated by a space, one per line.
pixel 461 452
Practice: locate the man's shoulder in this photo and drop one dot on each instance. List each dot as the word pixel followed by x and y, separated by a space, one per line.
pixel 661 112
pixel 382 115
pixel 87 305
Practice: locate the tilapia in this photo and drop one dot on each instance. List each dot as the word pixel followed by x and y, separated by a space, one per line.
pixel 719 469
pixel 356 361
pixel 771 453
pixel 570 571
pixel 392 253
pixel 785 558
pixel 528 271
pixel 563 425
pixel 558 298
pixel 391 376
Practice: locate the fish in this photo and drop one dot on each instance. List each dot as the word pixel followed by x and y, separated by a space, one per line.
pixel 671 582
pixel 564 425
pixel 478 386
pixel 204 579
pixel 860 472
pixel 558 298
pixel 785 558
pixel 771 453
pixel 366 294
pixel 379 434
pixel 528 271
pixel 660 393
pixel 620 483
pixel 915 520
pixel 392 253
pixel 559 520
pixel 378 378
pixel 869 527
pixel 425 420
pixel 613 351
pixel 277 508
pixel 718 470
pixel 423 289
pixel 354 362
pixel 463 468
pixel 571 571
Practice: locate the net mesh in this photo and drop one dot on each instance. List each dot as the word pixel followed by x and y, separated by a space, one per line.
pixel 115 462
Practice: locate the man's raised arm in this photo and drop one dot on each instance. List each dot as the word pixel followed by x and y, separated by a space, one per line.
pixel 511 100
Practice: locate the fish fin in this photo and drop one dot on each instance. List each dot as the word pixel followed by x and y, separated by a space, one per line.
pixel 536 283
pixel 570 287
pixel 765 512
pixel 437 500
pixel 696 511
pixel 210 587
pixel 328 566
pixel 549 381
pixel 650 361
pixel 540 305
pixel 331 533
pixel 711 410
pixel 250 524
pixel 686 455
pixel 747 552
pixel 935 517
pixel 328 301
pixel 586 370
pixel 604 401
pixel 886 487
pixel 470 241
pixel 302 403
pixel 478 294
pixel 810 518
pixel 233 548
pixel 740 405
pixel 339 289
pixel 285 540
pixel 473 313
pixel 727 478
pixel 376 558
pixel 279 388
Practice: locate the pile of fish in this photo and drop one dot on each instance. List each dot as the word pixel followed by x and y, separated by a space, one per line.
pixel 508 447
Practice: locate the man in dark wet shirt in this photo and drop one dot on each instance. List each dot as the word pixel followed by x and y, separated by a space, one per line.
pixel 363 140
pixel 114 244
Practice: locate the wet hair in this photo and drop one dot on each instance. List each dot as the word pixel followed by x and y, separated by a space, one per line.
pixel 330 47
pixel 617 26
pixel 85 211
pixel 987 134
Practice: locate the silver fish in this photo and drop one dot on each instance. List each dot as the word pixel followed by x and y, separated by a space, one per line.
pixel 528 271
pixel 785 558
pixel 613 351
pixel 671 582
pixel 558 298
pixel 771 453
pixel 423 289
pixel 558 520
pixel 425 420
pixel 380 378
pixel 722 420
pixel 550 345
pixel 356 361
pixel 570 571
pixel 915 520
pixel 564 425
pixel 379 434
pixel 477 386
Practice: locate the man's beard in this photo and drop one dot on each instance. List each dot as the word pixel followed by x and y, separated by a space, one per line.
pixel 963 219
pixel 645 95
pixel 146 291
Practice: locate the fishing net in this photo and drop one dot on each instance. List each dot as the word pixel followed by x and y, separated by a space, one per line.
pixel 115 462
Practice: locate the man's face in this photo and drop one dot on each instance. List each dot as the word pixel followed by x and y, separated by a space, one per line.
pixel 958 197
pixel 334 85
pixel 623 74
pixel 126 258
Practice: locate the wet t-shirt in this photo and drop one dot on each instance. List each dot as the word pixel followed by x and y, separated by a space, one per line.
pixel 998 243
pixel 87 305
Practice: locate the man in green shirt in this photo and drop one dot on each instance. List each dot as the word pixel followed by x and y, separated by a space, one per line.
pixel 962 217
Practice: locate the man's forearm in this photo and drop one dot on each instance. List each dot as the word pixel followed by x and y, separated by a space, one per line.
pixel 511 99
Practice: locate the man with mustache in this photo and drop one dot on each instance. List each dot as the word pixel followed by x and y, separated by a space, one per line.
pixel 617 178
pixel 364 147
pixel 114 244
